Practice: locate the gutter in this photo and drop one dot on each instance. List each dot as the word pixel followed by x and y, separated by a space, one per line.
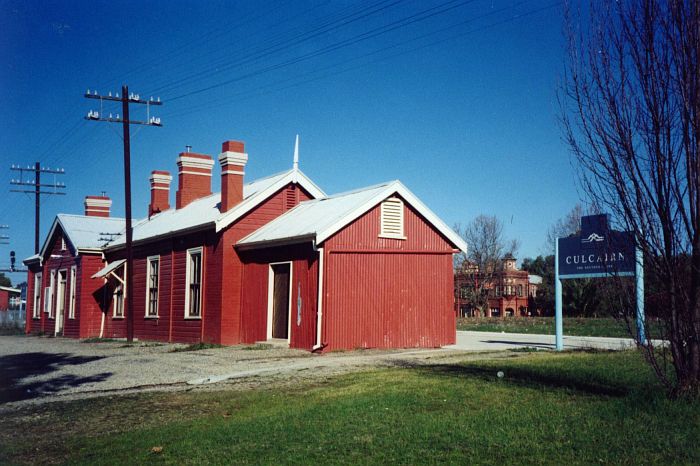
pixel 169 234
pixel 277 242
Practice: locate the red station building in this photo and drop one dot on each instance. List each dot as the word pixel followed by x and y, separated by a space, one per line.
pixel 273 259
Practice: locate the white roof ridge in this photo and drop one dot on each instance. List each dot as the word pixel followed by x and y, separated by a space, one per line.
pixel 358 190
pixel 90 216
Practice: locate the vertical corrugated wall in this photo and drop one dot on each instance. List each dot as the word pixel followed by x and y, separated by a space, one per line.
pixel 381 293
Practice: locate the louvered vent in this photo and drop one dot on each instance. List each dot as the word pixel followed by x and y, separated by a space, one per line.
pixel 291 198
pixel 392 218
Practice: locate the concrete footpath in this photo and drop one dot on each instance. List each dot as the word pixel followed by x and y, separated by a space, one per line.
pixel 492 341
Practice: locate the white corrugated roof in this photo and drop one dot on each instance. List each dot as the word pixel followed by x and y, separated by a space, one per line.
pixel 87 232
pixel 205 212
pixel 321 218
pixel 311 217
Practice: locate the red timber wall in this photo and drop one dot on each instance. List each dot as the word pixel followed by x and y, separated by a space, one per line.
pixel 222 277
pixel 170 325
pixel 57 259
pixel 225 324
pixel 32 325
pixel 382 293
pixel 304 284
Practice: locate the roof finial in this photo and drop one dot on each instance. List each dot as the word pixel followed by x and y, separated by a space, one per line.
pixel 296 153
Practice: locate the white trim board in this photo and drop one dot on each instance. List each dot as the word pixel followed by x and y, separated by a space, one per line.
pixel 270 295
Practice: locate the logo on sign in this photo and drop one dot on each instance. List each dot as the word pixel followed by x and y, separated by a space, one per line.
pixel 593 238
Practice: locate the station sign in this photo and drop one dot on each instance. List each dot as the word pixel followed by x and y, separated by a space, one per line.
pixel 597 252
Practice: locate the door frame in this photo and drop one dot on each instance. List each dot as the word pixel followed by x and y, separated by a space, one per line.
pixel 270 298
pixel 60 313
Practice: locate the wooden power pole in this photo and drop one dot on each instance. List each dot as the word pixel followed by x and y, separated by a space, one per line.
pixel 126 122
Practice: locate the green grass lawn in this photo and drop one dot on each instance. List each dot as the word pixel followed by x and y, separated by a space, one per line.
pixel 567 408
pixel 577 326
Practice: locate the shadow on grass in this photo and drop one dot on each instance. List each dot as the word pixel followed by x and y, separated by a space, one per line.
pixel 15 369
pixel 525 377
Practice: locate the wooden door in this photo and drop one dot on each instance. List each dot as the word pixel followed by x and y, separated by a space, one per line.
pixel 280 301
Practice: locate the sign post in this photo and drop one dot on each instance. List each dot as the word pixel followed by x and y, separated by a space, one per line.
pixel 597 252
pixel 558 319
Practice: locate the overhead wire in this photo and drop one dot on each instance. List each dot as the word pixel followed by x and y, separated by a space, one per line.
pixel 411 19
pixel 280 43
pixel 209 34
pixel 253 92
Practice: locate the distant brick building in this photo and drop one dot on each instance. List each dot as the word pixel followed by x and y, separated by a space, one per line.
pixel 510 292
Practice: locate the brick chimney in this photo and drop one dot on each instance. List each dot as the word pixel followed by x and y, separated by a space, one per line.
pixel 160 191
pixel 97 206
pixel 194 178
pixel 233 160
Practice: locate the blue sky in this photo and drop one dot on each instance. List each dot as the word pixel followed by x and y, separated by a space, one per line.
pixel 457 99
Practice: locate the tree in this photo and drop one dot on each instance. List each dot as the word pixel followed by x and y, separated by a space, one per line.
pixel 630 112
pixel 569 225
pixel 487 246
pixel 544 267
pixel 5 281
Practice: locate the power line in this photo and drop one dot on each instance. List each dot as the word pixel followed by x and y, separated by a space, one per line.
pixel 283 44
pixel 210 34
pixel 126 99
pixel 420 16
pixel 243 95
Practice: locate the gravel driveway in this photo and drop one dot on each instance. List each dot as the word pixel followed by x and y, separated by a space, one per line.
pixel 41 369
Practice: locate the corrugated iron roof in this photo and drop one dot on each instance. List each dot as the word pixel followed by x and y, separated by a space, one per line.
pixel 319 219
pixel 204 212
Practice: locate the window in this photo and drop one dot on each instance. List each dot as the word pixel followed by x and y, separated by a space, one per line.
pixel 63 244
pixel 520 290
pixel 118 298
pixel 71 304
pixel 498 291
pixel 193 292
pixel 392 219
pixel 36 310
pixel 152 274
pixel 464 292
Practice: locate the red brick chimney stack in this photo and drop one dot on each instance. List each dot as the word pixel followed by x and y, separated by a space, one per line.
pixel 97 206
pixel 232 160
pixel 160 191
pixel 194 178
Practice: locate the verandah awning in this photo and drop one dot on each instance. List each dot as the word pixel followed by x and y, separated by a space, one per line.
pixel 109 268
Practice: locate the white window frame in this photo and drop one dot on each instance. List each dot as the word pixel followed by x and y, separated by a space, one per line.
pixel 190 253
pixel 36 311
pixel 147 313
pixel 116 299
pixel 61 303
pixel 384 209
pixel 71 295
pixel 48 305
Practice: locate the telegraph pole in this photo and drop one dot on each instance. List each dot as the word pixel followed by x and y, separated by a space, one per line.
pixel 126 122
pixel 37 191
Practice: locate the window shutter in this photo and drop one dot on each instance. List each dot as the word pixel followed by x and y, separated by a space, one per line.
pixel 392 218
